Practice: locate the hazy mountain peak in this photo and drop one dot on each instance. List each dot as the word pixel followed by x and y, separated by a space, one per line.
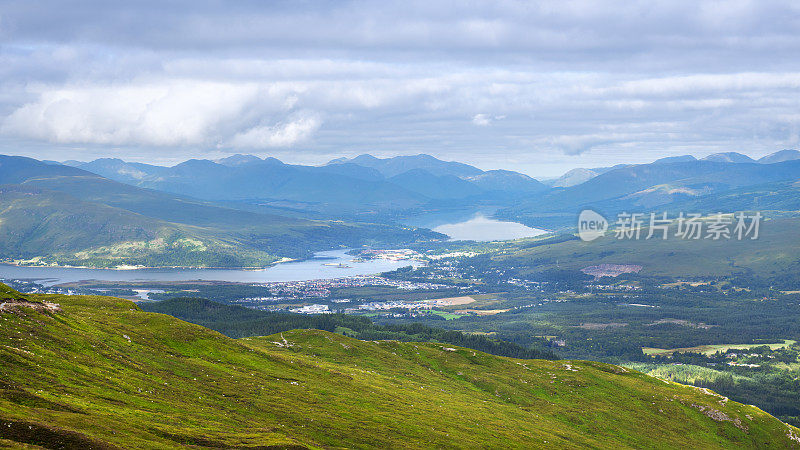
pixel 364 157
pixel 506 180
pixel 780 156
pixel 239 160
pixel 729 157
pixel 673 159
pixel 396 165
pixel 574 177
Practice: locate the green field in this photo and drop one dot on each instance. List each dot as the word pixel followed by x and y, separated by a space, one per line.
pixel 99 372
pixel 714 348
pixel 446 315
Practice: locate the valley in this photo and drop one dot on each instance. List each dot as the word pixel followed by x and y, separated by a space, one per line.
pixel 399 225
pixel 711 314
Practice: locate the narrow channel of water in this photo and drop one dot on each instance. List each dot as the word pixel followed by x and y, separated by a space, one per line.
pixel 328 264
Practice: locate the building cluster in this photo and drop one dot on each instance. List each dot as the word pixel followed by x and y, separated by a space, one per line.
pixel 312 309
pixel 403 254
pixel 289 290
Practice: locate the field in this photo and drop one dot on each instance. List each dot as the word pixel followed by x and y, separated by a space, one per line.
pixel 102 373
pixel 474 301
pixel 714 348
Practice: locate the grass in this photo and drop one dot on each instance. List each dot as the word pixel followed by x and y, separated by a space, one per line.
pixel 684 373
pixel 446 315
pixel 102 373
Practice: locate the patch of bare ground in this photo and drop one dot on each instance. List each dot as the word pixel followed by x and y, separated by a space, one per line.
pixel 611 270
pixel 682 322
pixel 720 416
pixel 601 326
pixel 451 301
pixel 481 312
pixel 8 305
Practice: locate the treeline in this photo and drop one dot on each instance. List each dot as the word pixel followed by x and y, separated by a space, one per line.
pixel 776 393
pixel 237 322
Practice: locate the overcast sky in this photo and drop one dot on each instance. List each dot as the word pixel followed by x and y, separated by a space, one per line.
pixel 539 87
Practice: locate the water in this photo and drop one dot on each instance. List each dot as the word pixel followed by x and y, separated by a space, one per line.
pixel 462 225
pixel 481 228
pixel 312 269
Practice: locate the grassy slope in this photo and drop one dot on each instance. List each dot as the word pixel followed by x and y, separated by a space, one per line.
pixel 103 373
pixel 777 248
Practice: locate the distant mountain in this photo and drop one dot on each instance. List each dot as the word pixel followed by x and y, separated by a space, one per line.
pixel 244 178
pixel 781 156
pixel 672 159
pixel 119 170
pixel 578 176
pixel 573 177
pixel 18 169
pixel 390 167
pixel 435 186
pixel 729 157
pixel 52 212
pixel 646 186
pixel 506 181
pixel 355 187
pixel 239 160
pixel 354 171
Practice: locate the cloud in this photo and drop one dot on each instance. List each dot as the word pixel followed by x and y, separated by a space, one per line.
pixel 286 134
pixel 481 120
pixel 171 113
pixel 592 82
pixel 578 144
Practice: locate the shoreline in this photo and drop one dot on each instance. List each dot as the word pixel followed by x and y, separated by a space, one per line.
pixel 125 267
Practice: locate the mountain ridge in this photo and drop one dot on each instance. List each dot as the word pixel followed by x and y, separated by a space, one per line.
pixel 168 230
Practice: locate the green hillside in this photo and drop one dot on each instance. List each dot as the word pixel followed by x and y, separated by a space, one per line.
pixel 48 227
pixel 774 252
pixel 97 372
pixel 67 216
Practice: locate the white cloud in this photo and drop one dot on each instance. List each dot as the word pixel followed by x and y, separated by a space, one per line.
pixel 285 134
pixel 445 77
pixel 169 113
pixel 481 120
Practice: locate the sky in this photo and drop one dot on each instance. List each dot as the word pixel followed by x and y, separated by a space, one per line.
pixel 537 87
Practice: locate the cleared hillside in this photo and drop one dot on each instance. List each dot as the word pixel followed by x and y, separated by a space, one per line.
pixel 97 372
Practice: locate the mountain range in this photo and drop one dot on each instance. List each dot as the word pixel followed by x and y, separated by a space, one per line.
pixel 581 175
pixel 703 186
pixel 58 214
pixel 364 184
pixel 247 211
